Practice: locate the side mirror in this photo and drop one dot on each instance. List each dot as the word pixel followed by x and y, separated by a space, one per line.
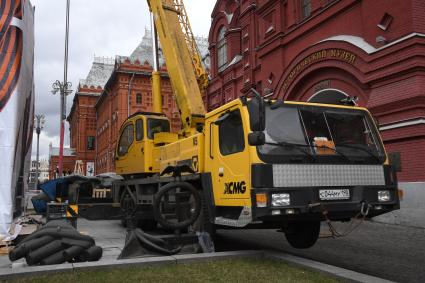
pixel 257 112
pixel 256 138
pixel 395 160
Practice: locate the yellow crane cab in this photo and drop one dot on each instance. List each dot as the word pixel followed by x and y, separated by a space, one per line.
pixel 137 150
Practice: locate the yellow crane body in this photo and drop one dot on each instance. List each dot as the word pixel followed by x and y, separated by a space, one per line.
pixel 255 162
pixel 179 62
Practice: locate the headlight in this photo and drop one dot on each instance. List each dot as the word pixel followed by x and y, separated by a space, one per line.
pixel 384 196
pixel 281 200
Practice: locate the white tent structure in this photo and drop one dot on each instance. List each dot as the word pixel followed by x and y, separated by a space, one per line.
pixel 16 106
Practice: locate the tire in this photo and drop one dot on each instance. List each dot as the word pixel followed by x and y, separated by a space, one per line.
pixel 128 208
pixel 303 235
pixel 157 204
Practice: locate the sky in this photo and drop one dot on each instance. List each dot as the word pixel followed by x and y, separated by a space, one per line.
pixel 97 28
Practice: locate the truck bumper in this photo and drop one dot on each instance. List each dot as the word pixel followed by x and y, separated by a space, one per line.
pixel 305 203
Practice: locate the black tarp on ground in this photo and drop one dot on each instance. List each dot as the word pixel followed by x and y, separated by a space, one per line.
pixel 55 243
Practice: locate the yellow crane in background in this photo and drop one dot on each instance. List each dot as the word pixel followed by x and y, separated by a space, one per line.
pixel 249 163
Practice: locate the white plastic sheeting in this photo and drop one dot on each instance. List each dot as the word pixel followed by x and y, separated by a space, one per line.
pixel 16 106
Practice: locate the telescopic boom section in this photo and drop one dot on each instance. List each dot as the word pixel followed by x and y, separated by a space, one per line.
pixel 179 61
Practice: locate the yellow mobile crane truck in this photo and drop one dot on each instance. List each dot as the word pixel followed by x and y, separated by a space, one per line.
pixel 249 163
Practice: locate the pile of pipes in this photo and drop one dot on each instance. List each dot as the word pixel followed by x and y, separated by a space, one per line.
pixel 56 242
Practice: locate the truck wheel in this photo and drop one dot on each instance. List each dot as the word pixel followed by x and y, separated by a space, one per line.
pixel 163 205
pixel 303 235
pixel 128 208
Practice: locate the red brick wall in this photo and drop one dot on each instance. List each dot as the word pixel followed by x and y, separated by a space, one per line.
pixel 412 157
pixel 68 163
pixel 82 123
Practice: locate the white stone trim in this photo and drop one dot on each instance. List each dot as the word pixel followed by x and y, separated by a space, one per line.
pixel 362 44
pixel 403 124
pixel 354 40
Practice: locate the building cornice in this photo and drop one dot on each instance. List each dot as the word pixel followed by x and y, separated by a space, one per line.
pixel 402 123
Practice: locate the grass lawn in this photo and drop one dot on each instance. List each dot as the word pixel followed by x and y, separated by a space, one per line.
pixel 235 270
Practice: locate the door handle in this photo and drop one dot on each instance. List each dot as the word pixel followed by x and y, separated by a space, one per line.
pixel 220 171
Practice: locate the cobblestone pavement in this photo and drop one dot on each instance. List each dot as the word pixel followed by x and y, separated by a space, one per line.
pixel 391 252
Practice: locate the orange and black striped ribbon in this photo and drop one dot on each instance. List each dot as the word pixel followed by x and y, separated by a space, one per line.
pixel 11 44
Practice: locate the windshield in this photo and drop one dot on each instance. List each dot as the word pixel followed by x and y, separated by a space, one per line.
pixel 296 133
pixel 157 126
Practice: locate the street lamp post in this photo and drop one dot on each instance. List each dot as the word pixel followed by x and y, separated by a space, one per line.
pixel 39 125
pixel 64 88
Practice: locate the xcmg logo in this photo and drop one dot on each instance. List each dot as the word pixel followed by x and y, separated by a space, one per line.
pixel 234 188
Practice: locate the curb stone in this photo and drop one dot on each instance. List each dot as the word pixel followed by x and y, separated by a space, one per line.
pixel 187 258
pixel 338 272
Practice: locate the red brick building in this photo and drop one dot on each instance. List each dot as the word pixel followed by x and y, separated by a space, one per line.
pixel 113 90
pixel 68 161
pixel 82 117
pixel 320 50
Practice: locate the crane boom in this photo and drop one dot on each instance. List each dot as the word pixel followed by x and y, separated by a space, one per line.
pixel 198 68
pixel 181 55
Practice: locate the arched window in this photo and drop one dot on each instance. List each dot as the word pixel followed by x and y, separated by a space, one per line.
pixel 222 49
pixel 139 98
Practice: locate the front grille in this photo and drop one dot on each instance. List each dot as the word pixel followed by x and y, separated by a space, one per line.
pixel 319 175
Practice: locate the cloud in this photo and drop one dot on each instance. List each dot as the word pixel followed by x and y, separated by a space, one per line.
pixel 97 27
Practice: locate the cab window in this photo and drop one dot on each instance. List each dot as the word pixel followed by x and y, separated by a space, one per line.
pixel 139 130
pixel 157 126
pixel 126 140
pixel 231 135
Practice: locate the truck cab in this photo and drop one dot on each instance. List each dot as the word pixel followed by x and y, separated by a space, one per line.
pixel 136 153
pixel 312 161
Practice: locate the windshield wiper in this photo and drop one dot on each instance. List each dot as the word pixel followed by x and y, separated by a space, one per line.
pixel 293 145
pixel 298 145
pixel 361 148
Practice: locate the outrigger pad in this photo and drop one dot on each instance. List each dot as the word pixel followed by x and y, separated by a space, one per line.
pixel 141 244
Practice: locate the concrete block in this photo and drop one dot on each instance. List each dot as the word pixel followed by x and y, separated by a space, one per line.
pixel 4 261
pixel 359 277
pixel 338 272
pixel 123 263
pixel 6 273
pixel 187 258
pixel 32 271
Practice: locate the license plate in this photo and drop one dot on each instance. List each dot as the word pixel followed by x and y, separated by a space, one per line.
pixel 334 194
